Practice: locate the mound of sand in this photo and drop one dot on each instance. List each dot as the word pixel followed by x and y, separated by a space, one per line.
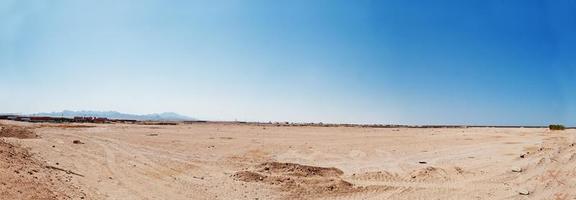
pixel 17 132
pixel 298 180
pixel 22 177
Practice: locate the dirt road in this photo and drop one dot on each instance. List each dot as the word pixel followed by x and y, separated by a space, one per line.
pixel 240 161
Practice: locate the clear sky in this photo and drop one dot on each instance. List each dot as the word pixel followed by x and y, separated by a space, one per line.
pixel 357 61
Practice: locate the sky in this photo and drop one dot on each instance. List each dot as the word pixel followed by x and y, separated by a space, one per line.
pixel 484 62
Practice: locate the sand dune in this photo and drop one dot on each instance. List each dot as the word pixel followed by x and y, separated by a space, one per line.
pixel 243 161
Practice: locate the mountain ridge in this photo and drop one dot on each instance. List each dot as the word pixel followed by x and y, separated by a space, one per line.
pixel 165 116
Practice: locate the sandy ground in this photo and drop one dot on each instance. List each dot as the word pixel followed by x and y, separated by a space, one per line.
pixel 240 161
pixel 24 177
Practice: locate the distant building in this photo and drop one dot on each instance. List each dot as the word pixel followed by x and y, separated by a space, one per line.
pixel 91 119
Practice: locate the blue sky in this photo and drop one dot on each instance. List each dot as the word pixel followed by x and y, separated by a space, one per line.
pixel 391 61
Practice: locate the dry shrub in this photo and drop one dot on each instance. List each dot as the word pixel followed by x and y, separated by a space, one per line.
pixel 556 127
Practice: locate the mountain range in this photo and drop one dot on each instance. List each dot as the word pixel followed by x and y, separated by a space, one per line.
pixel 166 116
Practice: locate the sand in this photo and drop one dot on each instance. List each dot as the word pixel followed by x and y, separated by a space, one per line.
pixel 24 177
pixel 244 161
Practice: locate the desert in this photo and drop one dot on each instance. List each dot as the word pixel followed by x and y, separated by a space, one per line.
pixel 267 161
pixel 287 100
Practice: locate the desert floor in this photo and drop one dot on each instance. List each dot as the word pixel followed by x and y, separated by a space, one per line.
pixel 243 161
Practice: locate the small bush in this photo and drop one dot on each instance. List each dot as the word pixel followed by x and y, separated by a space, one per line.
pixel 556 127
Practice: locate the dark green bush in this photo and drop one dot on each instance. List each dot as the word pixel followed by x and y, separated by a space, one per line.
pixel 556 127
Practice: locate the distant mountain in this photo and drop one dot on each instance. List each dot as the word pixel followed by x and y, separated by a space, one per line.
pixel 167 116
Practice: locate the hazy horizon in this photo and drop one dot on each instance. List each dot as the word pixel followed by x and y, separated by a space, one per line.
pixel 369 62
pixel 87 113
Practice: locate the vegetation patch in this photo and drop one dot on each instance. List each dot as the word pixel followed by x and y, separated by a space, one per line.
pixel 556 127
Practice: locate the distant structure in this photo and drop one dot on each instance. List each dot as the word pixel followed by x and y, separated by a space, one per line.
pixel 39 119
pixel 91 119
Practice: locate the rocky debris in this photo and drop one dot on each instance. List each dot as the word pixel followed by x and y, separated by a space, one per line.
pixel 77 142
pixel 459 170
pixel 517 169
pixel 523 192
pixel 299 170
pixel 429 173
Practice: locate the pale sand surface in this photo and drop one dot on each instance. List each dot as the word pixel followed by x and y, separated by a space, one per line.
pixel 238 161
